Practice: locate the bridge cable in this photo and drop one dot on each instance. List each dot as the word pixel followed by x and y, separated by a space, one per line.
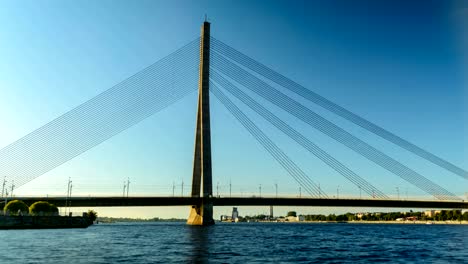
pixel 430 188
pixel 80 121
pixel 194 89
pixel 285 82
pixel 383 161
pixel 90 141
pixel 298 137
pixel 284 161
pixel 123 124
pixel 93 142
pixel 28 150
pixel 291 167
pixel 308 116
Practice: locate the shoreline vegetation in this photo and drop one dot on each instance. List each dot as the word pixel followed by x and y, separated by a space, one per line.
pixel 113 220
pixel 376 222
pixel 454 217
pixel 426 217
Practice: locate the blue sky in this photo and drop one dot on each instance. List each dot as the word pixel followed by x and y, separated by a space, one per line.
pixel 401 65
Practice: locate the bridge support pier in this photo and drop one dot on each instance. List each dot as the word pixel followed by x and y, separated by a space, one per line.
pixel 202 214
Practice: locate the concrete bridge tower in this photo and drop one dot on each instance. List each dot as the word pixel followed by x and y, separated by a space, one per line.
pixel 202 213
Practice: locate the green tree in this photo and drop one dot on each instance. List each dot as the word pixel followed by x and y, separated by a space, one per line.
pixel 341 218
pixel 45 208
pixel 260 217
pixel 92 215
pixel 292 213
pixel 449 215
pixel 465 216
pixel 350 216
pixel 15 206
pixel 331 217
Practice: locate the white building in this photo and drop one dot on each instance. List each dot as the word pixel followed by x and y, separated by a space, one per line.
pixel 235 214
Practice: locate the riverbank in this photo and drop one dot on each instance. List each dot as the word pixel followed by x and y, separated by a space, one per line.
pixel 371 222
pixel 110 220
pixel 408 222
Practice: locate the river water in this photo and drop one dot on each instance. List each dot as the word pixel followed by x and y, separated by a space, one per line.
pixel 238 243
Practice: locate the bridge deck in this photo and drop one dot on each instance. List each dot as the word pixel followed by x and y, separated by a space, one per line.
pixel 244 201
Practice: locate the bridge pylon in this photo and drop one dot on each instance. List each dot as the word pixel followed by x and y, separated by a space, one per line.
pixel 202 213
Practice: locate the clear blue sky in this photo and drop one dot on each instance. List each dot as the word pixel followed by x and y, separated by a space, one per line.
pixel 400 64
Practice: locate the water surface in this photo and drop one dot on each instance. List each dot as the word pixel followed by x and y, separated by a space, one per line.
pixel 238 243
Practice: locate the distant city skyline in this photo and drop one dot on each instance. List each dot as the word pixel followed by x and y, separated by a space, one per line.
pixel 401 65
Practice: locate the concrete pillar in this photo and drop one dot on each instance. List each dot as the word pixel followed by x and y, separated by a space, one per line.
pixel 202 213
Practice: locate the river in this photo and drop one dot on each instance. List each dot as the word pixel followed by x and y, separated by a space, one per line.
pixel 238 243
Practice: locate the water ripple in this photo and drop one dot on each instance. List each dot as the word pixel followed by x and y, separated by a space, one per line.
pixel 238 243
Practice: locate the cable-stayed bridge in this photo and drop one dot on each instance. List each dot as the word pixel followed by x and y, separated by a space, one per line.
pixel 236 80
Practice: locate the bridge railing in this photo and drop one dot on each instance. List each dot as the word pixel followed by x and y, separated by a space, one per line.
pixel 51 198
pixel 72 213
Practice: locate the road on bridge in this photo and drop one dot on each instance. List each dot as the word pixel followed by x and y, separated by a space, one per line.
pixel 242 201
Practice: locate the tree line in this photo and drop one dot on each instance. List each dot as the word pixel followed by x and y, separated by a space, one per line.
pixel 444 215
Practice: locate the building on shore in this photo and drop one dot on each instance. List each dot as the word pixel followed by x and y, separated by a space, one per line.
pixel 298 218
pixel 431 213
pixel 226 218
pixel 360 215
pixel 235 214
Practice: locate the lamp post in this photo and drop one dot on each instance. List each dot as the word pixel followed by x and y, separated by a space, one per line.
pixel 3 187
pixel 12 188
pixel 67 202
pixel 128 186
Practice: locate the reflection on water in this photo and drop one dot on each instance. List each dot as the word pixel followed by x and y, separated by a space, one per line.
pixel 199 239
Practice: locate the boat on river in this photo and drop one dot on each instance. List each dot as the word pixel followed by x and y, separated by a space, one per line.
pixel 43 222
